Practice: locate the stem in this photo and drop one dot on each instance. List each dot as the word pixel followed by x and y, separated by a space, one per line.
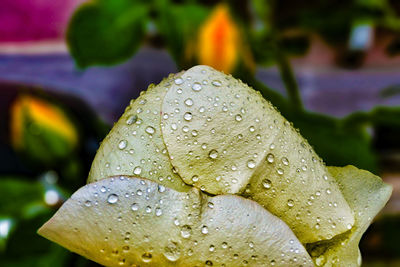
pixel 289 80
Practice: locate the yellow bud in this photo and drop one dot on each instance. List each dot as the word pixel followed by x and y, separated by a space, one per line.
pixel 218 41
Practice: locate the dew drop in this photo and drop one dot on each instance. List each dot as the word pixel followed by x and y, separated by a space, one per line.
pixel 196 86
pixel 189 102
pixel 146 257
pixel 172 251
pixel 285 161
pixel 158 212
pixel 266 183
pixel 131 120
pixel 150 130
pixel 270 158
pixel 213 154
pixel 188 116
pixel 112 199
pixel 251 164
pixel 178 81
pixel 238 117
pixel 204 230
pixel 134 207
pixel 290 203
pixel 122 144
pixel 195 178
pixel 137 170
pixel 216 83
pixel 186 231
pixel 279 171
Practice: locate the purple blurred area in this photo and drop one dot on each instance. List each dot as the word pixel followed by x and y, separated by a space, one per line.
pixel 107 90
pixel 33 20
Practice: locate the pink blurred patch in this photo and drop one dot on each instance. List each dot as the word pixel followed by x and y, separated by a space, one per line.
pixel 35 20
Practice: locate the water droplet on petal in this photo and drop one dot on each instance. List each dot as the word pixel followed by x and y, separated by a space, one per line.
pixel 216 83
pixel 188 116
pixel 266 183
pixel 186 231
pixel 158 212
pixel 196 86
pixel 251 164
pixel 137 170
pixel 112 199
pixel 131 119
pixel 270 158
pixel 204 230
pixel 146 257
pixel 150 130
pixel 290 203
pixel 213 154
pixel 238 117
pixel 178 81
pixel 189 102
pixel 134 207
pixel 122 144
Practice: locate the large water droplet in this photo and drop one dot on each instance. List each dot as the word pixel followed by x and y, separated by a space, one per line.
pixel 266 183
pixel 238 117
pixel 178 81
pixel 172 251
pixel 216 83
pixel 134 207
pixel 251 164
pixel 150 130
pixel 186 231
pixel 112 199
pixel 158 212
pixel 196 86
pixel 189 102
pixel 188 116
pixel 270 158
pixel 137 170
pixel 204 229
pixel 290 203
pixel 131 119
pixel 285 161
pixel 122 144
pixel 146 257
pixel 213 154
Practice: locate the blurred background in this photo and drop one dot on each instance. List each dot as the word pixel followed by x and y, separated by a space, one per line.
pixel 68 69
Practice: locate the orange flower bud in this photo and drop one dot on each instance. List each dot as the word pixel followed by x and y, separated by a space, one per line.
pixel 218 41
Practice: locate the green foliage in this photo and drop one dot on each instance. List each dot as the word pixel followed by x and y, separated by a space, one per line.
pixel 106 32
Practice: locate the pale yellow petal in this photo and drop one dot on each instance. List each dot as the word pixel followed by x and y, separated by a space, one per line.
pixel 224 137
pixel 134 145
pixel 366 194
pixel 124 221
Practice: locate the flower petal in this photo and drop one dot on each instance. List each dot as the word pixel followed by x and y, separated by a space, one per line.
pixel 126 221
pixel 135 147
pixel 366 194
pixel 223 137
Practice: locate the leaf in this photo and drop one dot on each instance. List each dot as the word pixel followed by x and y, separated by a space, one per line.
pixel 223 137
pixel 366 195
pixel 137 221
pixel 135 147
pixel 106 32
pixel 22 193
pixel 178 25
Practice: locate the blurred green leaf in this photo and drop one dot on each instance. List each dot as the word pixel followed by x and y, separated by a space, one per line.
pixel 106 32
pixel 338 145
pixel 19 196
pixel 178 25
